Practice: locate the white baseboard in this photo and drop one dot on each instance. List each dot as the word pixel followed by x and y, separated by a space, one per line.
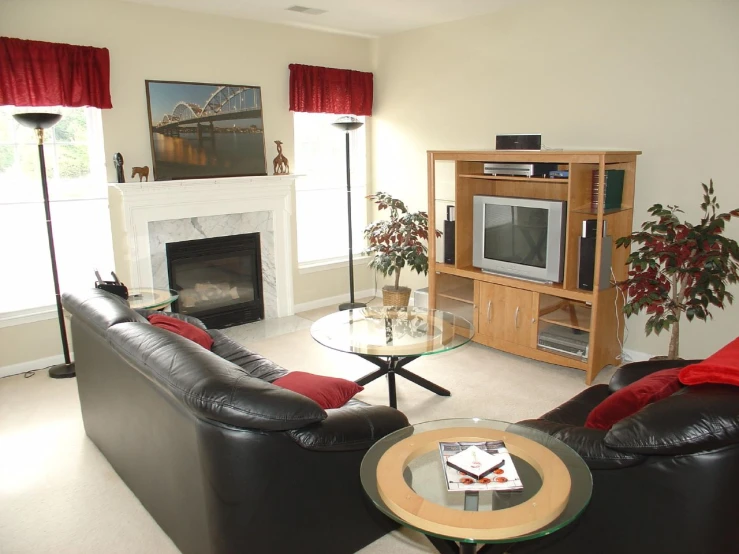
pixel 323 302
pixel 43 363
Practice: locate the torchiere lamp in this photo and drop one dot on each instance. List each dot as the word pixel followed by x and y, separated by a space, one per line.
pixel 346 124
pixel 41 121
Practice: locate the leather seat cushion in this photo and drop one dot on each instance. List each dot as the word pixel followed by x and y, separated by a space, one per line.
pixel 575 411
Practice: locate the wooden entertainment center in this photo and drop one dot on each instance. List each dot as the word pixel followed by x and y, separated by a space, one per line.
pixel 510 313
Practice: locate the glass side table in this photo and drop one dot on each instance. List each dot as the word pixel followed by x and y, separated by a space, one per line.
pixel 149 298
pixel 402 474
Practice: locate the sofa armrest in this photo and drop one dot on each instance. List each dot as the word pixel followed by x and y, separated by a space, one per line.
pixel 694 419
pixel 588 443
pixel 355 426
pixel 634 371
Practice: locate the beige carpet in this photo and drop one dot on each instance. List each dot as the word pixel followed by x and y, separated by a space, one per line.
pixel 59 495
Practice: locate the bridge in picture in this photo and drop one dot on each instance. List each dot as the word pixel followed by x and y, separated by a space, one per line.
pixel 226 103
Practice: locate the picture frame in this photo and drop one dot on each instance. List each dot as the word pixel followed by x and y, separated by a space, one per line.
pixel 205 130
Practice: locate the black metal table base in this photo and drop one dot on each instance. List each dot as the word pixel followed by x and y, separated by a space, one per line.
pixel 392 366
pixel 451 547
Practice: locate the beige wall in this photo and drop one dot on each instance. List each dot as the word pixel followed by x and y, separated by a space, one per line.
pixel 165 44
pixel 659 76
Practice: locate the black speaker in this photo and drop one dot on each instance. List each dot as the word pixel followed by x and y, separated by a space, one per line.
pixel 586 265
pixel 518 142
pixel 449 242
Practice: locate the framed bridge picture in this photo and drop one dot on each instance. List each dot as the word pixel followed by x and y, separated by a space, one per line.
pixel 203 130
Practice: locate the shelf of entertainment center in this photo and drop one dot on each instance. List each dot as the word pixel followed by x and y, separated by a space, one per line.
pixel 512 178
pixel 554 289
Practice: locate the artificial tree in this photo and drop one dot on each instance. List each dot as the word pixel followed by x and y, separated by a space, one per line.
pixel 680 267
pixel 399 241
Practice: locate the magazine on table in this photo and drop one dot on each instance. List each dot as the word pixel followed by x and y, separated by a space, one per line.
pixel 479 466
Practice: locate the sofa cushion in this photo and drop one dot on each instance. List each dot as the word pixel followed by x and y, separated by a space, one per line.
pixel 633 398
pixel 720 368
pixel 576 410
pixel 328 392
pixel 252 363
pixel 182 328
pixel 184 317
pixel 211 387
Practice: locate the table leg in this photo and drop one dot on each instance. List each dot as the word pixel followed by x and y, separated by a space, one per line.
pixel 433 387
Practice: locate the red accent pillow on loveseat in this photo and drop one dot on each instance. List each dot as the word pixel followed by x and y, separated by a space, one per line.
pixel 327 392
pixel 721 367
pixel 187 330
pixel 632 398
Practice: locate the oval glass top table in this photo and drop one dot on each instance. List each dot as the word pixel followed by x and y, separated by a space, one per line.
pixel 404 477
pixel 149 298
pixel 391 337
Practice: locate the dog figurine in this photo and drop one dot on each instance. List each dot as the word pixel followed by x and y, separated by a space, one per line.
pixel 141 172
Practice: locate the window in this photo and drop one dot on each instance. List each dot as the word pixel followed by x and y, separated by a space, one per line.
pixel 79 209
pixel 321 204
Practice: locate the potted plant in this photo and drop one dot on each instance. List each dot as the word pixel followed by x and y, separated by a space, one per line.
pixel 680 267
pixel 396 243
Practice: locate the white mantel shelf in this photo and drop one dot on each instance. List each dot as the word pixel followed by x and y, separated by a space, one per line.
pixel 135 205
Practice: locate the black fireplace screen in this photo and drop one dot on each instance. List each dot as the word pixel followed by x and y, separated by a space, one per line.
pixel 219 280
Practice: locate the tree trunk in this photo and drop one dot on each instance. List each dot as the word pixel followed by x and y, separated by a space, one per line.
pixel 674 341
pixel 397 279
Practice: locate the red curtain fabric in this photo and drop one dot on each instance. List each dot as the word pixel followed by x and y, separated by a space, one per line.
pixel 327 90
pixel 35 73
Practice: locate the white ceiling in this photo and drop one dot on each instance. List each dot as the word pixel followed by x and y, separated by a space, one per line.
pixel 369 18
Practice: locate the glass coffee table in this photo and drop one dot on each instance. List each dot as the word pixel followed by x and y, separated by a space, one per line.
pixel 403 475
pixel 392 337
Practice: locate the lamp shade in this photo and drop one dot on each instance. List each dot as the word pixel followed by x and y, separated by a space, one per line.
pixel 37 120
pixel 347 123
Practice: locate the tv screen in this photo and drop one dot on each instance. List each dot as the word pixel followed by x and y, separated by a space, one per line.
pixel 516 234
pixel 520 237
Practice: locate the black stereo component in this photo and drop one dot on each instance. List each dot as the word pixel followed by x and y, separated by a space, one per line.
pixel 449 226
pixel 586 262
pixel 518 142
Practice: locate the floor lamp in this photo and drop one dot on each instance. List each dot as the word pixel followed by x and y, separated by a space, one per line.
pixel 41 121
pixel 346 124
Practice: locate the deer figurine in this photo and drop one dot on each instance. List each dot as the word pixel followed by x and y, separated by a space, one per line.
pixel 141 172
pixel 281 165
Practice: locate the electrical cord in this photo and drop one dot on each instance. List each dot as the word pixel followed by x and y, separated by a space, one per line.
pixel 622 356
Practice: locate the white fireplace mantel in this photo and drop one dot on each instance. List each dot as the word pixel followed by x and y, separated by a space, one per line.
pixel 135 205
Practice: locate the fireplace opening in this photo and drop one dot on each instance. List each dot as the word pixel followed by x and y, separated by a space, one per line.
pixel 219 280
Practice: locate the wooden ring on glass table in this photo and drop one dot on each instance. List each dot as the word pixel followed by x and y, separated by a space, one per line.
pixel 542 508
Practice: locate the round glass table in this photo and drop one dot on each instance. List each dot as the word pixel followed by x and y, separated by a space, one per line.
pixel 149 298
pixel 404 477
pixel 391 337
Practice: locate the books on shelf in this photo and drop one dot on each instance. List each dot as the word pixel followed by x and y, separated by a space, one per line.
pixel 478 466
pixel 614 189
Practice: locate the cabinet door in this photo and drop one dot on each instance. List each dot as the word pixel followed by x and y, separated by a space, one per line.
pixel 505 313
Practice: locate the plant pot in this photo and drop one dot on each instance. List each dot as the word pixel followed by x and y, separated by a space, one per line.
pixel 395 297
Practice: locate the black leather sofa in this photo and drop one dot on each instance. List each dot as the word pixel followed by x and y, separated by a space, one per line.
pixel 665 480
pixel 223 460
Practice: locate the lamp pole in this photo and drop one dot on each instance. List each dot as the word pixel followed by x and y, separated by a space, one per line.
pixel 346 124
pixel 39 122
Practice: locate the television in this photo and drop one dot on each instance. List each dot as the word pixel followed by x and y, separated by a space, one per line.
pixel 519 237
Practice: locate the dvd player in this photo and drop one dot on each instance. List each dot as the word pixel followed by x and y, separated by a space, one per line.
pixel 565 341
pixel 518 169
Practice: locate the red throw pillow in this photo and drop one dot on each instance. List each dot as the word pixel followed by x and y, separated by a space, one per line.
pixel 187 330
pixel 327 392
pixel 721 367
pixel 632 398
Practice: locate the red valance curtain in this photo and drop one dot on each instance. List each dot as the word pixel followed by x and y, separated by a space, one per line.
pixel 35 73
pixel 327 90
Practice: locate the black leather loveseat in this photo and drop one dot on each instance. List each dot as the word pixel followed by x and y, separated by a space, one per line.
pixel 665 480
pixel 224 461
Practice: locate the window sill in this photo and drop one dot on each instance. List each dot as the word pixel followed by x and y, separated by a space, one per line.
pixel 22 317
pixel 326 265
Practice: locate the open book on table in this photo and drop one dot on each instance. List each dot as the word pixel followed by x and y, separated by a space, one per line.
pixel 479 466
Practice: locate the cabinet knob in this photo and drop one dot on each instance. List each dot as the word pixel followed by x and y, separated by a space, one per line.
pixel 490 305
pixel 515 318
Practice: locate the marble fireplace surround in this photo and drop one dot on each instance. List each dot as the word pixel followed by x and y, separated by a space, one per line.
pixel 152 214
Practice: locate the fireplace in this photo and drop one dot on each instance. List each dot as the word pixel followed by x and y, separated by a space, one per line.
pixel 219 280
